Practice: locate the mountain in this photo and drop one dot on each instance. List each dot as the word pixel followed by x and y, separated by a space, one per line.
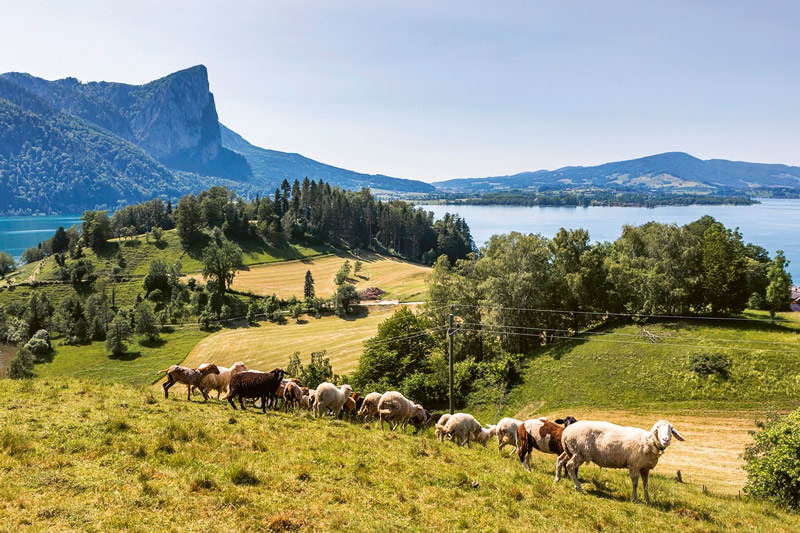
pixel 67 146
pixel 668 172
pixel 270 167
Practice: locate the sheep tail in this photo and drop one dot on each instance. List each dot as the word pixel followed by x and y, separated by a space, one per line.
pixel 162 371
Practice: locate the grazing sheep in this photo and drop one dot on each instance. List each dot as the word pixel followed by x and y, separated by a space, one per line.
pixel 219 382
pixel 543 435
pixel 191 377
pixel 440 425
pixel 612 446
pixel 463 428
pixel 351 404
pixel 507 433
pixel 330 397
pixel 369 407
pixel 250 384
pixel 307 401
pixel 423 420
pixel 397 410
pixel 292 394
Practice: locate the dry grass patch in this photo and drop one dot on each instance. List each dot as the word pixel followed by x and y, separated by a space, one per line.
pixel 402 280
pixel 269 345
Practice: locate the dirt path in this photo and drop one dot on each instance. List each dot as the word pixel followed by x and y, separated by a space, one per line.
pixel 38 269
pixel 711 454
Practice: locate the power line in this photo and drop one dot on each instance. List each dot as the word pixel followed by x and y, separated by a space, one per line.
pixel 603 334
pixel 609 313
pixel 577 338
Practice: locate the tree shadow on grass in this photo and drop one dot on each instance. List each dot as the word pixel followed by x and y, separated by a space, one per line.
pixel 156 343
pixel 125 356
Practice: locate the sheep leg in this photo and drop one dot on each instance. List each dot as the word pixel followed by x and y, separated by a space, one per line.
pixel 204 393
pixel 560 466
pixel 572 468
pixel 167 384
pixel 230 400
pixel 645 478
pixel 634 481
pixel 241 402
pixel 264 404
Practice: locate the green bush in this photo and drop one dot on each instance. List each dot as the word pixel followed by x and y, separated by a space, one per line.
pixel 756 301
pixel 22 365
pixel 710 364
pixel 773 461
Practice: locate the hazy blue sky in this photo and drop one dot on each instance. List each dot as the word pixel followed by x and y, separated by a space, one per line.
pixel 455 89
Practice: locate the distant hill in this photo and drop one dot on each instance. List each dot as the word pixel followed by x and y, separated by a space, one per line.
pixel 270 167
pixel 668 172
pixel 67 146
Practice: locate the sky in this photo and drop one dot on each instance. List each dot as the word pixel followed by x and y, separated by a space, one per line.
pixel 438 90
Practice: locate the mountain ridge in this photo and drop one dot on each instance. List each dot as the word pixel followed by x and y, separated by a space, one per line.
pixel 67 146
pixel 665 172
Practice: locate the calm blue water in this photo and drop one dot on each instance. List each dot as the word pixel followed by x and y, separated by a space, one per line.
pixel 773 224
pixel 20 233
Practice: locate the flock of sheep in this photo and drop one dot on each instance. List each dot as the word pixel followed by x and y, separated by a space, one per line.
pixel 573 442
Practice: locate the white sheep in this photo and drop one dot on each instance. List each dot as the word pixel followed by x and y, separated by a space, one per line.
pixel 220 382
pixel 329 396
pixel 307 401
pixel 507 433
pixel 463 428
pixel 612 446
pixel 397 410
pixel 369 408
pixel 440 425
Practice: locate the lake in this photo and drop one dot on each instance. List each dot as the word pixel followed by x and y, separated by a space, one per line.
pixel 17 234
pixel 773 224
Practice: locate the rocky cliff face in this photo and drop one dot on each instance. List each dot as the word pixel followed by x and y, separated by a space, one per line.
pixel 173 118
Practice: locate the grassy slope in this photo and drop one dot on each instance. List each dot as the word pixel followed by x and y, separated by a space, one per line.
pixel 269 345
pixel 138 254
pixel 137 366
pixel 402 280
pixel 635 373
pixel 85 456
pixel 606 378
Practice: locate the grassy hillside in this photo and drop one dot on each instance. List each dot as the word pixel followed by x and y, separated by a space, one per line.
pixel 620 375
pixel 269 345
pixel 137 366
pixel 77 455
pixel 137 254
pixel 637 372
pixel 402 280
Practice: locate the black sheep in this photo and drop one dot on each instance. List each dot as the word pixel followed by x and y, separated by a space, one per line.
pixel 250 384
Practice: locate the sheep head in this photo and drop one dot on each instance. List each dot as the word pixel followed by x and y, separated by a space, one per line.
pixel 567 420
pixel 237 367
pixel 347 390
pixel 663 432
pixel 210 369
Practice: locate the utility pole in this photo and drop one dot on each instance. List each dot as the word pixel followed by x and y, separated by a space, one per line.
pixel 450 332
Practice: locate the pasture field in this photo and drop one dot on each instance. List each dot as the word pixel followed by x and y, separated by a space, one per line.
pixel 137 366
pixel 78 455
pixel 269 345
pixel 622 376
pixel 401 279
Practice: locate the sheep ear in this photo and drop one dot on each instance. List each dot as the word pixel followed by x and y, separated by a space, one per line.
pixel 677 435
pixel 559 421
pixel 653 431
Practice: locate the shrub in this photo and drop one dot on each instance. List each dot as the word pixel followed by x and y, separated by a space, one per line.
pixel 755 301
pixel 773 461
pixel 118 332
pixel 252 312
pixel 277 316
pixel 205 321
pixel 22 365
pixel 372 293
pixel 709 364
pixel 38 347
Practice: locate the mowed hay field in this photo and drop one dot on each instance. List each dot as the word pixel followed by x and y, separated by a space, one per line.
pixel 78 455
pixel 401 280
pixel 269 345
